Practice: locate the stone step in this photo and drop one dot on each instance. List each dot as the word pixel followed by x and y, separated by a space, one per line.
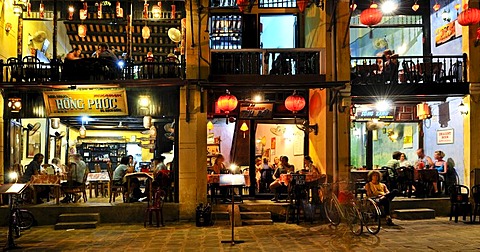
pixel 414 214
pixel 79 217
pixel 220 215
pixel 76 225
pixel 256 222
pixel 256 215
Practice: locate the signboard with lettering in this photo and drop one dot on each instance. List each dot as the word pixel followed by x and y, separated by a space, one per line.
pixel 256 110
pixel 101 102
pixel 445 136
pixel 370 112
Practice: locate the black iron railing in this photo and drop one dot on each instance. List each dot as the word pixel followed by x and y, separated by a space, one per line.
pixel 268 61
pixel 89 69
pixel 408 69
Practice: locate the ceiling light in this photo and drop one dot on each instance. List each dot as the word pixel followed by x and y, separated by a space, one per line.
pixel 389 6
pixel 382 105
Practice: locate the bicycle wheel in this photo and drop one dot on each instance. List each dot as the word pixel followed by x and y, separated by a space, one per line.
pixel 332 211
pixel 371 216
pixel 354 218
pixel 24 219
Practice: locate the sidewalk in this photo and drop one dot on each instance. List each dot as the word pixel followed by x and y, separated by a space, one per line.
pixel 425 235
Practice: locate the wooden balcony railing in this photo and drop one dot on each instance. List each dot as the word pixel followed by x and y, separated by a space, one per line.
pixel 32 71
pixel 298 61
pixel 408 70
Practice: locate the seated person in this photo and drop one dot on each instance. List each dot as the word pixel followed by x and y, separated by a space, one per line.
pixel 219 168
pixel 283 168
pixel 394 162
pixel 441 166
pixel 75 176
pixel 120 172
pixel 258 169
pixel 57 166
pixel 380 193
pixel 34 168
pixel 73 54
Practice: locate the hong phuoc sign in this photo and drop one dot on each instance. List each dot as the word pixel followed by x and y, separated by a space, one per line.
pixel 105 102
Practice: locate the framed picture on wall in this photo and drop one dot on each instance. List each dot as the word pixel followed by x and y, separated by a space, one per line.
pixel 33 143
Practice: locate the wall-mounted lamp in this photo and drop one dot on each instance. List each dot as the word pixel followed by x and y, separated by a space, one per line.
pixel 210 125
pixel 8 27
pixel 15 104
pixel 55 123
pixel 17 10
pixel 144 101
pixel 463 109
pixel 244 128
pixel 82 131
pixel 147 122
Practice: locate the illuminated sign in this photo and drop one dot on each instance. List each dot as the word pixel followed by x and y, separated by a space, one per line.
pixel 102 102
pixel 256 110
pixel 370 112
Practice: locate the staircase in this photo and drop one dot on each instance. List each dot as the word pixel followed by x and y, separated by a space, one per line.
pixel 243 217
pixel 414 214
pixel 420 208
pixel 256 218
pixel 77 221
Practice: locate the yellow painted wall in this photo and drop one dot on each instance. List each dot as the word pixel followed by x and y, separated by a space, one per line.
pixel 8 41
pixel 315 28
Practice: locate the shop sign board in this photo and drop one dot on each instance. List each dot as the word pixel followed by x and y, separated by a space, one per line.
pixel 100 102
pixel 256 110
pixel 370 112
pixel 445 136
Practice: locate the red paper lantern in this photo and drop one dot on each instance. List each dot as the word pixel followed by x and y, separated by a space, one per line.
pixel 227 102
pixel 469 17
pixel 295 103
pixel 242 4
pixel 371 16
pixel 301 4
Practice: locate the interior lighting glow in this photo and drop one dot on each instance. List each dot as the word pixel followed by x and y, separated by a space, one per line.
pixel 382 105
pixel 389 6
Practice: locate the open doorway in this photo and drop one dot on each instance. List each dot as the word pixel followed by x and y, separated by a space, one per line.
pixel 278 31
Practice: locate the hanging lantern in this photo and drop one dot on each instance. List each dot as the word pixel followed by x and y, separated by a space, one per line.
pixel 469 17
pixel 371 16
pixel 83 12
pixel 457 6
pixel 41 10
pixel 147 122
pixel 145 10
pixel 99 10
pixel 82 31
pixel 174 8
pixel 157 11
pixel 423 111
pixel 55 122
pixel 82 131
pixel 436 6
pixel 118 10
pixel 145 32
pixel 242 4
pixel 415 6
pixel 295 102
pixel 227 102
pixel 302 4
pixel 244 128
pixel 70 12
pixel 353 7
pixel 17 10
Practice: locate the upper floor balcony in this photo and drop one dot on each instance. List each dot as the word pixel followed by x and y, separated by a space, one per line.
pixel 395 76
pixel 32 71
pixel 265 67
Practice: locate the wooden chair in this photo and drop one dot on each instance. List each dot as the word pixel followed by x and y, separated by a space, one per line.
pixel 15 69
pixel 156 206
pixel 113 189
pixel 72 189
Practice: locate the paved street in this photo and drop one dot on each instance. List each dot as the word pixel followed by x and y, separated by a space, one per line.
pixel 425 235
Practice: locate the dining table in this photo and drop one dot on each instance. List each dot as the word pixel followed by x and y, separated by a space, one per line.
pixel 96 180
pixel 46 180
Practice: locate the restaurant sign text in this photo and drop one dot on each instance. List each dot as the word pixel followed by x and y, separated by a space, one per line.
pixel 445 136
pixel 102 102
pixel 256 110
pixel 369 112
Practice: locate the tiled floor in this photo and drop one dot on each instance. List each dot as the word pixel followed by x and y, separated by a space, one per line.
pixel 427 235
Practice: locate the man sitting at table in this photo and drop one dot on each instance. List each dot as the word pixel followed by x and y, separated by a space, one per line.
pixel 34 168
pixel 75 175
pixel 283 168
pixel 423 160
pixel 73 54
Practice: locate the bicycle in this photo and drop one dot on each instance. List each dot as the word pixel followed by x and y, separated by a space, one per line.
pixel 371 215
pixel 346 208
pixel 22 219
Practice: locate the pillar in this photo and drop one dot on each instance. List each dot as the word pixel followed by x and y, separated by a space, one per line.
pixel 471 123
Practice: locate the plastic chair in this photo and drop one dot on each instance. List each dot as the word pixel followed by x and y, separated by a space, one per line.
pixel 155 206
pixel 476 199
pixel 459 202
